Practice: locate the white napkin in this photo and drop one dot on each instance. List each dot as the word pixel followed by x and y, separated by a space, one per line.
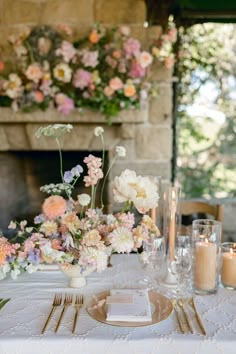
pixel 138 311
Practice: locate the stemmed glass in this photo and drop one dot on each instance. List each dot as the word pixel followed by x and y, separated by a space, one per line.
pixel 180 265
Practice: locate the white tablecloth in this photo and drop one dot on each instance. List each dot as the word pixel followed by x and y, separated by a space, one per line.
pixel 21 320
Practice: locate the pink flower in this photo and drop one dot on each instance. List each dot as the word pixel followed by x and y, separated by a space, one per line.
pixel 34 72
pixel 108 91
pixel 38 96
pixel 67 51
pixel 64 103
pixel 82 79
pixel 6 249
pixel 54 206
pixel 127 220
pixel 90 58
pixel 136 70
pixel 116 84
pixel 94 171
pixel 145 59
pixel 132 47
pixel 65 28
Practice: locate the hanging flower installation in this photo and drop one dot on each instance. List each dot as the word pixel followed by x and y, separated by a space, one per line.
pixel 107 71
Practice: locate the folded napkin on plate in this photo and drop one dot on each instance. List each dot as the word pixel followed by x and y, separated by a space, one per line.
pixel 138 311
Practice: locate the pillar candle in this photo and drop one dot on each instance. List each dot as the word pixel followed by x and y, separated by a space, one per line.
pixel 228 272
pixel 205 265
pixel 172 226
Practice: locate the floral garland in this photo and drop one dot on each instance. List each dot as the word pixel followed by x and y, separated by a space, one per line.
pixel 74 231
pixel 106 71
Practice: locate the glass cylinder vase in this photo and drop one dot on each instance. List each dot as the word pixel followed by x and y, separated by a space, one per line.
pixel 171 228
pixel 206 255
pixel 228 265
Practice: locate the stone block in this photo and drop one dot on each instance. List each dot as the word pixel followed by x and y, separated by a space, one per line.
pixel 143 168
pixel 140 33
pixel 116 12
pixel 153 142
pixel 4 146
pixel 161 73
pixel 17 137
pixel 161 106
pixel 70 12
pixel 128 131
pixel 153 33
pixel 20 12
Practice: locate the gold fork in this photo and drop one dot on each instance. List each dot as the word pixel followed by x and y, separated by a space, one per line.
pixel 174 303
pixel 191 303
pixel 56 302
pixel 181 305
pixel 79 301
pixel 67 302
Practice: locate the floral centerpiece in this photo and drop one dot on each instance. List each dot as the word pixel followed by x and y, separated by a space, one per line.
pixel 108 70
pixel 74 232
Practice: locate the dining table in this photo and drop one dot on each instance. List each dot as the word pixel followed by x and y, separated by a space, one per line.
pixel 31 296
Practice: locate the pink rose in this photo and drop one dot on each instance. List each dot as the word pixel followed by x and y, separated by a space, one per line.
pixel 38 96
pixel 90 58
pixel 108 91
pixel 132 47
pixel 82 79
pixel 34 72
pixel 67 51
pixel 64 103
pixel 116 83
pixel 136 70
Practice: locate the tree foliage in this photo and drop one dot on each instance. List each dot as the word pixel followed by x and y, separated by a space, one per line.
pixel 207 137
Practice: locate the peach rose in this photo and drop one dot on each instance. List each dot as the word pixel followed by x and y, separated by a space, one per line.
pixel 34 72
pixel 1 65
pixel 94 37
pixel 116 84
pixel 129 90
pixel 108 91
pixel 38 96
pixel 92 238
pixel 54 206
pixel 116 54
pixel 145 59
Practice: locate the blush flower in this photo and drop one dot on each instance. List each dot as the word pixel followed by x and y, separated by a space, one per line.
pixel 82 79
pixel 90 58
pixel 54 206
pixel 48 227
pixel 67 51
pixel 64 103
pixel 34 72
pixel 132 47
pixel 91 238
pixel 145 59
pixel 121 240
pixel 116 84
pixel 136 70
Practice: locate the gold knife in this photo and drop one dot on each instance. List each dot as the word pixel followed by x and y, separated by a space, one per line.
pixel 199 320
pixel 174 303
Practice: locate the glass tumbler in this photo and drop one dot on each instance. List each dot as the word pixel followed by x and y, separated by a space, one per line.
pixel 206 255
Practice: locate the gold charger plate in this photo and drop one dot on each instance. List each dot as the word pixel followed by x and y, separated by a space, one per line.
pixel 161 310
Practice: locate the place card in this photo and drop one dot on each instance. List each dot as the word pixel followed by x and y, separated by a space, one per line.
pixel 138 311
pixel 119 299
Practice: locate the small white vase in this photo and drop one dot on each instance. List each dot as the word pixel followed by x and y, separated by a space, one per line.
pixel 76 275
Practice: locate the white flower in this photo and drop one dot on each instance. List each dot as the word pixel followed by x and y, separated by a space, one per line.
pixel 121 151
pixel 121 240
pixel 4 270
pixel 31 269
pixel 12 225
pixel 23 224
pixel 14 273
pixel 91 238
pixel 62 72
pixel 93 259
pixel 98 131
pixel 142 191
pixel 13 86
pixel 123 190
pixel 84 199
pixel 54 130
pixel 145 59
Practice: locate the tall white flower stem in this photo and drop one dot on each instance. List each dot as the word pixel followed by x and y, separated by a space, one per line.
pixel 103 162
pixel 61 164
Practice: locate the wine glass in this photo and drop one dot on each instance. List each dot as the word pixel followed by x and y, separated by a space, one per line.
pixel 151 260
pixel 180 265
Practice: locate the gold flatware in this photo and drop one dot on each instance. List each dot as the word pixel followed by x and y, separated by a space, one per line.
pixel 67 302
pixel 56 302
pixel 174 303
pixel 199 320
pixel 181 305
pixel 79 301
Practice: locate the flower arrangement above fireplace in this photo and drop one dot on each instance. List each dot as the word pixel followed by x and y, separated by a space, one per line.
pixel 106 71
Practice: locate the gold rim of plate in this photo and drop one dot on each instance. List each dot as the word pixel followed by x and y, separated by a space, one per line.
pixel 162 309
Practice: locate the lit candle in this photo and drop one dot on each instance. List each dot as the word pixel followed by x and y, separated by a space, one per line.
pixel 228 272
pixel 172 226
pixel 205 265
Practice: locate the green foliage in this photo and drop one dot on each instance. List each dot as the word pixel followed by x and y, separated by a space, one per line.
pixel 207 147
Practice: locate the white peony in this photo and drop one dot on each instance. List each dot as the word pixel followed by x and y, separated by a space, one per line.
pixel 121 240
pixel 93 259
pixel 123 190
pixel 98 131
pixel 62 72
pixel 121 151
pixel 84 199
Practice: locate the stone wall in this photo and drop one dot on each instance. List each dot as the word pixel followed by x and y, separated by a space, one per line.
pixel 147 134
